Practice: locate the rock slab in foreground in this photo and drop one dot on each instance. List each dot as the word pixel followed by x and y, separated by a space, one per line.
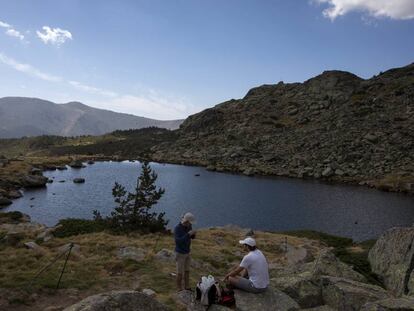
pixel 396 304
pixel 118 301
pixel 271 300
pixel 393 304
pixel 347 295
pixel 392 258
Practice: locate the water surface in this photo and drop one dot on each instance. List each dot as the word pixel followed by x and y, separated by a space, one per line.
pixel 217 199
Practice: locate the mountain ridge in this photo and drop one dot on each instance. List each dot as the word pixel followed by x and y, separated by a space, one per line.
pixel 335 126
pixel 28 116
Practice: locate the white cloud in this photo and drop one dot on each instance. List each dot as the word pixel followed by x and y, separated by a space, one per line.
pixel 10 31
pixel 28 69
pixel 91 89
pixel 14 33
pixel 55 36
pixel 4 25
pixel 395 9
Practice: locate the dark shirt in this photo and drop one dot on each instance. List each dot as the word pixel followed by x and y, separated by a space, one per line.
pixel 182 238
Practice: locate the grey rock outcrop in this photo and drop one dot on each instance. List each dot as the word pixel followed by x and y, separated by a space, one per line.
pixel 271 300
pixel 34 181
pixel 392 259
pixel 347 295
pixel 392 304
pixel 328 264
pixel 132 253
pixel 304 289
pixel 4 201
pixel 118 301
pixel 334 126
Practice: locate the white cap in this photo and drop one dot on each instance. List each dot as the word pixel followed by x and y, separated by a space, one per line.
pixel 189 217
pixel 248 241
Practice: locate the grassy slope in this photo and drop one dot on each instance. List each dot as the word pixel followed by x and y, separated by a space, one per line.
pixel 98 269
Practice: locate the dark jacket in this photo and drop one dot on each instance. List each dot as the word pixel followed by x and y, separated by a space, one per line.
pixel 182 238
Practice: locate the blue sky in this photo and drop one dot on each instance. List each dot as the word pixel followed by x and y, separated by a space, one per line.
pixel 168 59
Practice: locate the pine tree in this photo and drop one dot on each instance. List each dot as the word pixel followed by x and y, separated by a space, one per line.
pixel 133 210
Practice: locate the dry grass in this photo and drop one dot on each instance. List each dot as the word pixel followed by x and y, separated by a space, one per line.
pixel 97 268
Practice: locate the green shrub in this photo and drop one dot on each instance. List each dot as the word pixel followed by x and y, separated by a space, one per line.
pixel 74 226
pixel 329 240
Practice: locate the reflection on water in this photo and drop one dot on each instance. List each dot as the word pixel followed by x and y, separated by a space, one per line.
pixel 219 199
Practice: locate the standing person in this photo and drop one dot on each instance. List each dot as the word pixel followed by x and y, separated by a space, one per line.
pixel 183 234
pixel 254 265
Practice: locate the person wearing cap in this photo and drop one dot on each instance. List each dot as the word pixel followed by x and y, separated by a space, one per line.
pixel 254 265
pixel 183 234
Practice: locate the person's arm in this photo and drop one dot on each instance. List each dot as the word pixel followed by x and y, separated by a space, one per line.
pixel 234 272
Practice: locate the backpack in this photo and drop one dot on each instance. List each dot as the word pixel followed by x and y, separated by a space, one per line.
pixel 208 291
pixel 227 298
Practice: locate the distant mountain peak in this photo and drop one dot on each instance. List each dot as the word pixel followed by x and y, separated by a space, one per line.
pixel 23 116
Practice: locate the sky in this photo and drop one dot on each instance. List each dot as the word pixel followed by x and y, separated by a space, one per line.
pixel 172 58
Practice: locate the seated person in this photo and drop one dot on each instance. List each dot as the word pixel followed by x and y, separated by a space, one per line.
pixel 254 265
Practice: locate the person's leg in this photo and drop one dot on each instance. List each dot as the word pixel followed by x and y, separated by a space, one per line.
pixel 180 270
pixel 179 282
pixel 187 272
pixel 245 285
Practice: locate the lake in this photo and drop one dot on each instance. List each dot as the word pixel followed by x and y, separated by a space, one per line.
pixel 275 204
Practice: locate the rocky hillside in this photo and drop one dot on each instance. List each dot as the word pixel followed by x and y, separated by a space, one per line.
pixel 21 116
pixel 335 126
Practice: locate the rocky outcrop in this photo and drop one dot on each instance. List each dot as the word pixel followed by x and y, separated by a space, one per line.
pixel 328 264
pixel 118 301
pixel 271 300
pixel 347 295
pixel 392 304
pixel 34 181
pixel 132 253
pixel 79 180
pixel 4 201
pixel 304 284
pixel 304 289
pixel 392 259
pixel 335 126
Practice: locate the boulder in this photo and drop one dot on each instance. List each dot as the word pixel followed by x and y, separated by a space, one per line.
pixel 391 304
pixel 36 171
pixel 132 253
pixel 304 289
pixel 149 292
pixel 118 301
pixel 347 295
pixel 76 164
pixel 165 255
pixel 5 201
pixel 320 308
pixel 391 258
pixel 35 247
pixel 328 264
pixel 79 180
pixel 62 168
pixel 327 172
pixel 271 300
pixel 14 194
pixel 34 181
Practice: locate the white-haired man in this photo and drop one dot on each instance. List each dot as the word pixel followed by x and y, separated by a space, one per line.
pixel 183 234
pixel 254 265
